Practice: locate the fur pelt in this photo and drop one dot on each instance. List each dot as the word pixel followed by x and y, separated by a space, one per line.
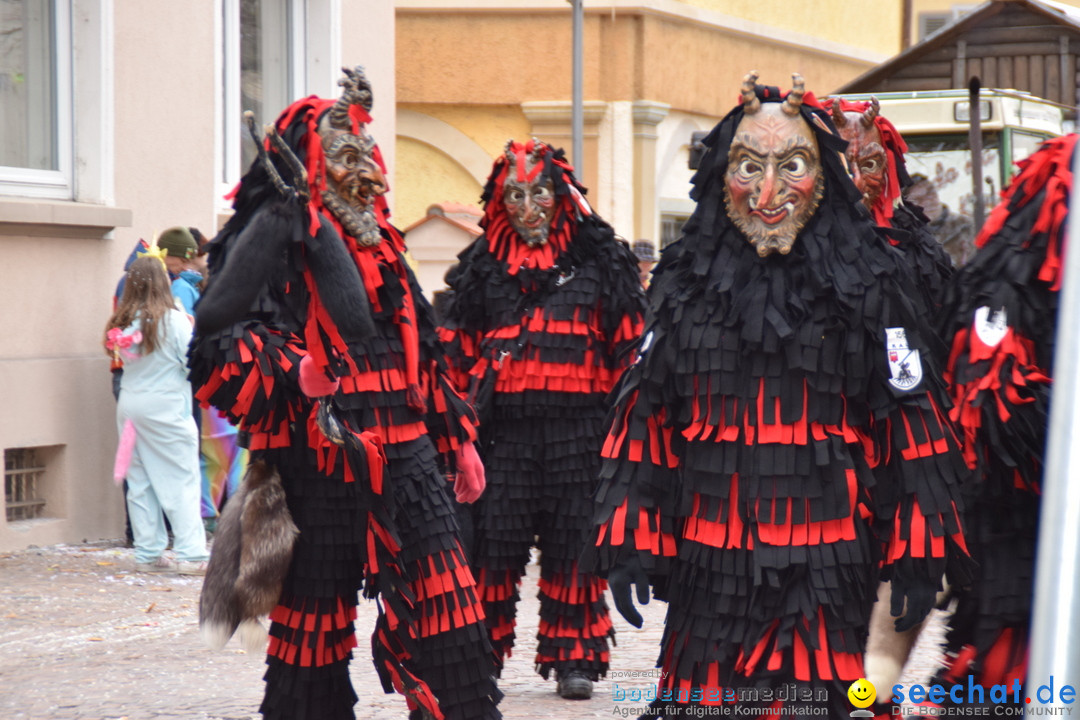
pixel 340 288
pixel 241 268
pixel 251 554
pixel 239 272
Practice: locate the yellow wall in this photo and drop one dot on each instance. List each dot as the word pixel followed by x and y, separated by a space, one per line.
pixel 702 71
pixel 870 24
pixel 471 65
pixel 489 126
pixel 429 176
pixel 491 58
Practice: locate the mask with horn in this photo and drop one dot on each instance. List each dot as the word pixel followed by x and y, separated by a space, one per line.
pixel 529 191
pixel 866 156
pixel 354 179
pixel 774 180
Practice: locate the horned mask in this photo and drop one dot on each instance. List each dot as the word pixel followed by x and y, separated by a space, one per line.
pixel 774 180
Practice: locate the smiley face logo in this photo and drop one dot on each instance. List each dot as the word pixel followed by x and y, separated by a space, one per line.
pixel 862 693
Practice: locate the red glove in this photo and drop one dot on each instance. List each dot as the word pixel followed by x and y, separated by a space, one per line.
pixel 314 382
pixel 470 482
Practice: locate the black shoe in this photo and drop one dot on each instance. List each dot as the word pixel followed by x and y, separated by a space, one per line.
pixel 575 685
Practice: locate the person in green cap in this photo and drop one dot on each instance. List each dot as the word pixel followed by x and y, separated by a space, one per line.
pixel 180 250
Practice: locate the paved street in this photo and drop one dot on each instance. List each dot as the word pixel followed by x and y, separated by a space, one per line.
pixel 83 637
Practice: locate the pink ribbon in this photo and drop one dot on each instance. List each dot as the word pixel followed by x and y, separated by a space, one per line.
pixel 118 342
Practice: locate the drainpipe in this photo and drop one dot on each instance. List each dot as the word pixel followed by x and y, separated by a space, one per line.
pixel 975 141
pixel 905 25
pixel 577 112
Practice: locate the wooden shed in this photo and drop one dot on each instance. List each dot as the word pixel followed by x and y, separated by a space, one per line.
pixel 1017 44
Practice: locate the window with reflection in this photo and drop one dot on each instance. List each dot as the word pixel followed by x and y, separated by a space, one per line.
pixel 265 52
pixel 671 228
pixel 946 161
pixel 28 85
pixel 263 61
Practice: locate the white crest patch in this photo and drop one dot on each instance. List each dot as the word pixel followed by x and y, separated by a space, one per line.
pixel 905 367
pixel 991 325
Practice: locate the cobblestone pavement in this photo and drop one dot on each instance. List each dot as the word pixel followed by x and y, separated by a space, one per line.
pixel 83 637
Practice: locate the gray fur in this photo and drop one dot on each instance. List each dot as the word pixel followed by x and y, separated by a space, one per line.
pixel 250 557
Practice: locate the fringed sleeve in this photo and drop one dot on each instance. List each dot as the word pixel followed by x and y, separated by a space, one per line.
pixel 919 470
pixel 451 420
pixel 620 312
pixel 925 255
pixel 636 496
pixel 1001 397
pixel 250 372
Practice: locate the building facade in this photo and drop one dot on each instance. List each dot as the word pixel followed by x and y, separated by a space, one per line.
pixel 119 120
pixel 474 73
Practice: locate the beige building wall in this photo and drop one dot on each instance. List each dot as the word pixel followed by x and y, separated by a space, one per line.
pixel 148 76
pixel 654 72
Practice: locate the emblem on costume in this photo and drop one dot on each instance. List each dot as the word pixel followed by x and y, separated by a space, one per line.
pixel 991 325
pixel 905 367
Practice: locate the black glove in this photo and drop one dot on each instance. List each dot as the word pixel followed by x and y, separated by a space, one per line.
pixel 920 593
pixel 629 572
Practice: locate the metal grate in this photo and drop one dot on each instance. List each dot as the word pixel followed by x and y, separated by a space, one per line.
pixel 22 484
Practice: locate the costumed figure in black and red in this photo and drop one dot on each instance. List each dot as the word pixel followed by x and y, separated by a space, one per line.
pixel 781 440
pixel 875 159
pixel 1003 318
pixel 545 307
pixel 314 338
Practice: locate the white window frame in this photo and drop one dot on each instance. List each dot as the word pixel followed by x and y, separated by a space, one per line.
pixel 56 184
pixel 312 25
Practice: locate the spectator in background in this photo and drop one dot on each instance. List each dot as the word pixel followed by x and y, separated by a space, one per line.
pixel 198 263
pixel 647 257
pixel 180 250
pixel 155 404
pixel 222 459
pixel 955 231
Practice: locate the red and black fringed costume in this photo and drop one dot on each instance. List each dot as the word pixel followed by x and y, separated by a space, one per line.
pixel 373 513
pixel 875 159
pixel 1003 315
pixel 540 334
pixel 775 445
pixel 904 224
